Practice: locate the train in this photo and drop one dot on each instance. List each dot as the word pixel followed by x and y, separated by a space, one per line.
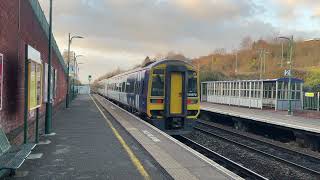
pixel 165 93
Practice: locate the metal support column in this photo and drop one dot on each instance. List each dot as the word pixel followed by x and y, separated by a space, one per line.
pixel 48 116
pixel 68 71
pixel 26 97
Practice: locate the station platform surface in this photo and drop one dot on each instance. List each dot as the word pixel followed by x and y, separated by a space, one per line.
pixel 85 147
pixel 279 118
pixel 180 161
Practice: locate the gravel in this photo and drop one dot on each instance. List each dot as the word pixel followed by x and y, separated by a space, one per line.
pixel 261 164
pixel 294 157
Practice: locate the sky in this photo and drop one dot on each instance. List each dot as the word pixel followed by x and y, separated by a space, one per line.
pixel 121 33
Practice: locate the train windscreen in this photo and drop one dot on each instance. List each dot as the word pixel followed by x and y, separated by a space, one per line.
pixel 157 88
pixel 192 84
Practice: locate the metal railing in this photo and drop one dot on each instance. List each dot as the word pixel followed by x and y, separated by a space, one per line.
pixel 311 101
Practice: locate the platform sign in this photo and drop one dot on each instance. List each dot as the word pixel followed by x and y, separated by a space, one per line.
pixel 1 79
pixel 34 79
pixel 309 94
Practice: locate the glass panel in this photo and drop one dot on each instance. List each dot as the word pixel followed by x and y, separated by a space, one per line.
pixel 192 84
pixel 157 85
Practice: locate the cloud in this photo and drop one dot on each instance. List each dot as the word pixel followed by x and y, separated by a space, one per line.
pixel 291 10
pixel 122 32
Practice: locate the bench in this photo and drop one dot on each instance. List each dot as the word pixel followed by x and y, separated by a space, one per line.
pixel 12 157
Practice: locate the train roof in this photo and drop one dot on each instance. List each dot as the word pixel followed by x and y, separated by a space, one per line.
pixel 149 66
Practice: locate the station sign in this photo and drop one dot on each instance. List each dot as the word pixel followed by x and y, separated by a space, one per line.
pixel 34 79
pixel 309 94
pixel 1 79
pixel 287 72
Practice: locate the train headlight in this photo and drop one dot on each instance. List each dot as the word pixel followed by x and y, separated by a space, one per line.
pixel 192 101
pixel 156 101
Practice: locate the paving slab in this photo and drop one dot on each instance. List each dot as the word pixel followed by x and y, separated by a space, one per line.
pixel 279 118
pixel 180 161
pixel 85 147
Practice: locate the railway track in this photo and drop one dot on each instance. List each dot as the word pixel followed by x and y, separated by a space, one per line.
pixel 223 161
pixel 301 161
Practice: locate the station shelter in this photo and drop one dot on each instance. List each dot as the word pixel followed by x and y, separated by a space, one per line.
pixel 265 93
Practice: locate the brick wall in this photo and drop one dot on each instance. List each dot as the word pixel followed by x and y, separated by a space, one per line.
pixel 15 32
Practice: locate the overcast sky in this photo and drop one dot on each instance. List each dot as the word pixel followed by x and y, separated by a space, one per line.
pixel 121 33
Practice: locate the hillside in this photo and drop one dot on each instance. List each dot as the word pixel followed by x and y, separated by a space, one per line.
pixel 221 65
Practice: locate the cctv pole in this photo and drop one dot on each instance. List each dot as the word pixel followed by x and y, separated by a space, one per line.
pixel 48 117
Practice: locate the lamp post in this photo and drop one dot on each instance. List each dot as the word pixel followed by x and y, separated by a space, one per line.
pixel 74 75
pixel 48 116
pixel 78 71
pixel 290 39
pixel 68 78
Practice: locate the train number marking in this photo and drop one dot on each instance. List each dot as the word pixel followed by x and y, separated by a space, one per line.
pixel 151 136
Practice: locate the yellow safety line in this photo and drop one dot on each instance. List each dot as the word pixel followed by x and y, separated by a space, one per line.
pixel 133 158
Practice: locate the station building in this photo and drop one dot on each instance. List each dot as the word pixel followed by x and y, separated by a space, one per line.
pixel 23 23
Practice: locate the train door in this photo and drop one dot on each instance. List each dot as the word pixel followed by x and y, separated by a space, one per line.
pixel 176 93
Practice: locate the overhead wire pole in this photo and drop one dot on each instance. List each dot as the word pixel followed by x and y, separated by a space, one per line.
pixel 281 54
pixel 48 116
pixel 236 70
pixel 260 59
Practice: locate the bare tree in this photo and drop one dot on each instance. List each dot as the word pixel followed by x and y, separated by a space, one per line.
pixel 246 43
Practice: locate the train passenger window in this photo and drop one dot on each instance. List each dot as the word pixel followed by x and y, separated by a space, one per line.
pixel 123 87
pixel 192 84
pixel 157 88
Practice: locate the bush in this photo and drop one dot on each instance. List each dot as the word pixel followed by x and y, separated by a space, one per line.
pixel 313 79
pixel 212 76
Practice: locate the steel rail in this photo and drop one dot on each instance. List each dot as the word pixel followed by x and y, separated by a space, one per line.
pixel 259 151
pixel 210 124
pixel 227 163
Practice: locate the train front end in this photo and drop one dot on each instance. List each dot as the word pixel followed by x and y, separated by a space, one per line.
pixel 173 96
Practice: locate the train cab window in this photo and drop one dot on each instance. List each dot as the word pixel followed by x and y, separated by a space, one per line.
pixel 157 88
pixel 192 84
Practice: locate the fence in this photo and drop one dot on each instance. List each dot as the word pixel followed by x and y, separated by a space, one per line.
pixel 311 101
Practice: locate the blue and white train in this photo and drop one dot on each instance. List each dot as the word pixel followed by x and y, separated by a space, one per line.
pixel 166 93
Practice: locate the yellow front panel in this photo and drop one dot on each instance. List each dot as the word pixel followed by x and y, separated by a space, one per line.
pixel 176 93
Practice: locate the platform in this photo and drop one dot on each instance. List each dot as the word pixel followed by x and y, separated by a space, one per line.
pixel 279 118
pixel 85 147
pixel 180 161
